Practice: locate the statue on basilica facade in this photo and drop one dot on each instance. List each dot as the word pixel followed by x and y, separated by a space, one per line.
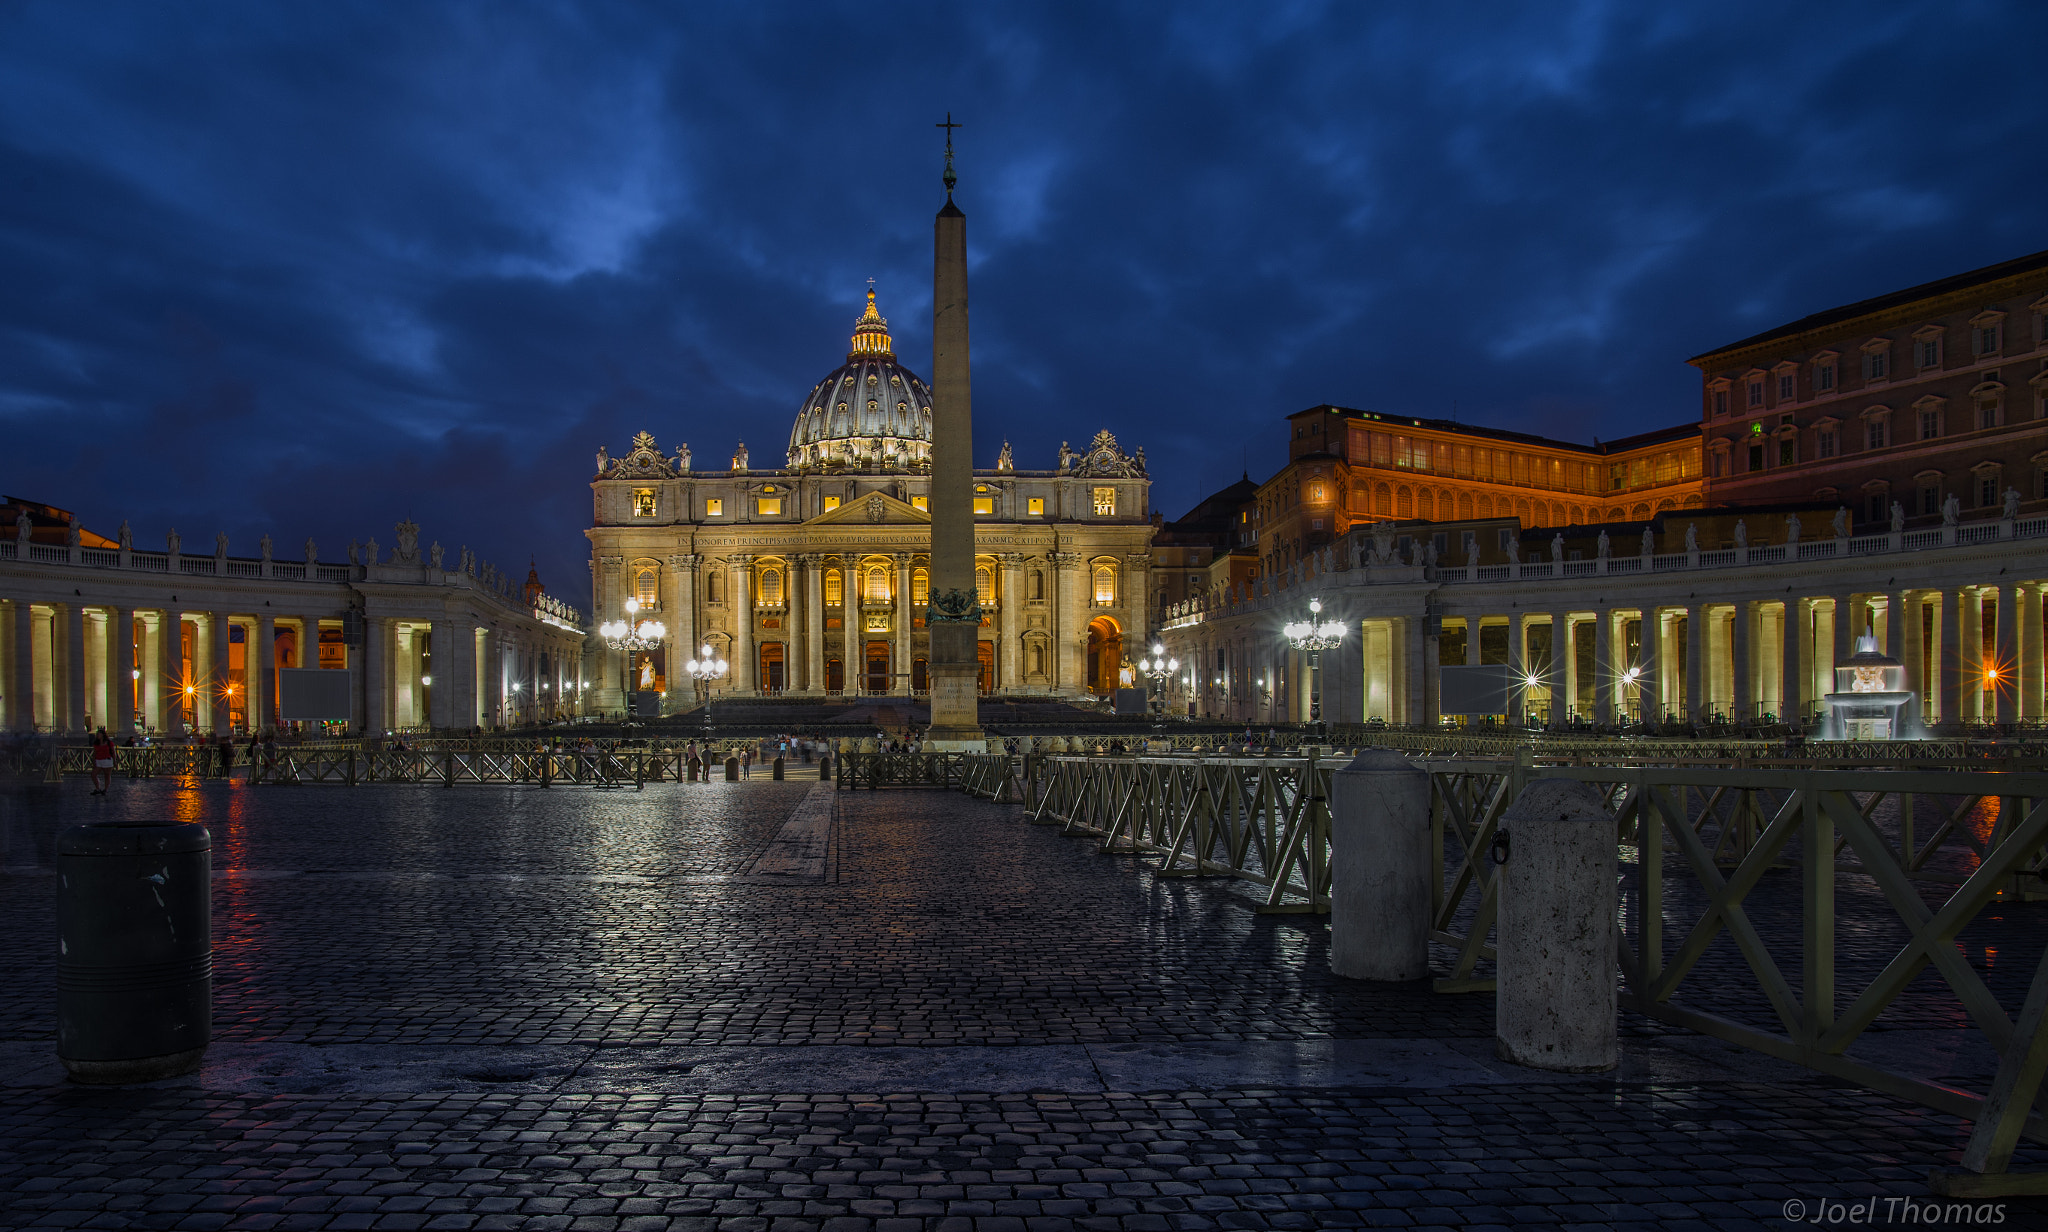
pixel 370 551
pixel 1842 522
pixel 312 554
pixel 71 535
pixel 1603 544
pixel 354 553
pixel 1898 517
pixel 1741 535
pixel 1557 548
pixel 220 545
pixel 1066 458
pixel 1692 536
pixel 23 528
pixel 1951 510
pixel 1792 528
pixel 604 460
pixel 1649 542
pixel 171 539
pixel 2012 503
pixel 1003 461
pixel 739 457
pixel 126 536
pixel 434 553
pixel 263 545
pixel 683 458
pixel 408 550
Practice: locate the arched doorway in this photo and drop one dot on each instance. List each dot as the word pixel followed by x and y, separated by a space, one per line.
pixel 985 657
pixel 878 667
pixel 1105 655
pixel 771 677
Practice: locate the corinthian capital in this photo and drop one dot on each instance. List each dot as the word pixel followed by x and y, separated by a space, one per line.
pixel 685 562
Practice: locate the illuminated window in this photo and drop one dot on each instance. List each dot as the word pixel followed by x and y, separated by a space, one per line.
pixel 768 505
pixel 835 585
pixel 643 502
pixel 645 587
pixel 771 588
pixel 1105 502
pixel 878 584
pixel 984 505
pixel 920 587
pixel 984 584
pixel 714 508
pixel 1105 585
pixel 831 503
pixel 920 502
pixel 1036 506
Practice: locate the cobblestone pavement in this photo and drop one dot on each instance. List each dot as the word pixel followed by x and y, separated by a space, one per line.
pixel 476 1008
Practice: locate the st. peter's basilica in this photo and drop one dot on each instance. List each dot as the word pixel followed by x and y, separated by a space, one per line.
pixel 811 579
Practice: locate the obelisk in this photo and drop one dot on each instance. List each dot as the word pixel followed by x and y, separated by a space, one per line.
pixel 954 613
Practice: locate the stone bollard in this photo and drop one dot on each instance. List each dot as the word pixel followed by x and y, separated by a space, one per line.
pixel 1379 868
pixel 732 769
pixel 778 770
pixel 825 767
pixel 1555 1008
pixel 696 769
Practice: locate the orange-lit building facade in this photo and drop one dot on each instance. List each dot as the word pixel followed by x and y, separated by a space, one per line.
pixel 1347 467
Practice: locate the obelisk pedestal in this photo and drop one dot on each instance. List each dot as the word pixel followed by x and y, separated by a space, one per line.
pixel 954 613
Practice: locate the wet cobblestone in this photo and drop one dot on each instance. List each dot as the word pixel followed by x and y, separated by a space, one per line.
pixel 410 916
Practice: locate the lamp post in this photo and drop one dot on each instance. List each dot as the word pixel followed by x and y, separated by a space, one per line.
pixel 1312 637
pixel 1158 668
pixel 704 669
pixel 630 636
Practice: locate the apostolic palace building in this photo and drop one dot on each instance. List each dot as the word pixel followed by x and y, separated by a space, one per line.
pixel 810 578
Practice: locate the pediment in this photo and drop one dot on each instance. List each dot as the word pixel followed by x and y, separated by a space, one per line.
pixel 873 509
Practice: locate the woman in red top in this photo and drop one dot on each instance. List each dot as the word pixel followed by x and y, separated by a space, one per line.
pixel 102 762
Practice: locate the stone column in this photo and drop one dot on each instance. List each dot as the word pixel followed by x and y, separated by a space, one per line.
pixel 441 670
pixel 494 678
pixel 1603 665
pixel 1070 616
pixel 1518 672
pixel 1904 625
pixel 1970 664
pixel 606 599
pixel 744 676
pixel 1431 674
pixel 121 679
pixel 1010 623
pixel 680 612
pixel 1560 667
pixel 1650 667
pixel 1472 627
pixel 176 673
pixel 376 695
pixel 21 688
pixel 1847 629
pixel 97 631
pixel 70 715
pixel 814 622
pixel 1792 703
pixel 901 666
pixel 261 675
pixel 1742 688
pixel 2030 667
pixel 1951 672
pixel 151 665
pixel 2007 697
pixel 1694 662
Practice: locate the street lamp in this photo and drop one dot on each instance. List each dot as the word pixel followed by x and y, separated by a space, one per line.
pixel 1158 668
pixel 631 636
pixel 1313 636
pixel 704 669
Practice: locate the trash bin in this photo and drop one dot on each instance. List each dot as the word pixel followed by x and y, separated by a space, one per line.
pixel 135 949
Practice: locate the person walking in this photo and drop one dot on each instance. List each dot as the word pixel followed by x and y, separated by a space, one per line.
pixel 746 761
pixel 102 762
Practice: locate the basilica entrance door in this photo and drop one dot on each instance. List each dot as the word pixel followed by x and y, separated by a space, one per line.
pixel 1105 655
pixel 878 668
pixel 985 655
pixel 771 667
pixel 920 675
pixel 835 675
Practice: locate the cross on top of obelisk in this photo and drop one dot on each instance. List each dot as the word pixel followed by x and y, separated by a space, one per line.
pixel 949 177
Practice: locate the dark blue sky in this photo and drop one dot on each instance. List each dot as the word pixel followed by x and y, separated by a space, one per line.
pixel 314 268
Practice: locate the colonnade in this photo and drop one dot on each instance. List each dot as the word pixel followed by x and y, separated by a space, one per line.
pixel 1654 649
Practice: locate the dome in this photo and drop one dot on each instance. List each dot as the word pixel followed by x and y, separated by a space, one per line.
pixel 871 413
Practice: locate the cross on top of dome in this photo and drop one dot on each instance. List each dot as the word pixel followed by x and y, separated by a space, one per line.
pixel 871 332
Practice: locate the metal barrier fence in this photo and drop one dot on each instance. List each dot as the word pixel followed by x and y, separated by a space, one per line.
pixel 873 770
pixel 1739 888
pixel 349 763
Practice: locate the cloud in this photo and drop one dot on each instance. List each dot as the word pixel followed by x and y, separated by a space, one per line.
pixel 311 271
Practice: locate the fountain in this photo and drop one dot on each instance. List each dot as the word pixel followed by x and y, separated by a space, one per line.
pixel 1871 699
